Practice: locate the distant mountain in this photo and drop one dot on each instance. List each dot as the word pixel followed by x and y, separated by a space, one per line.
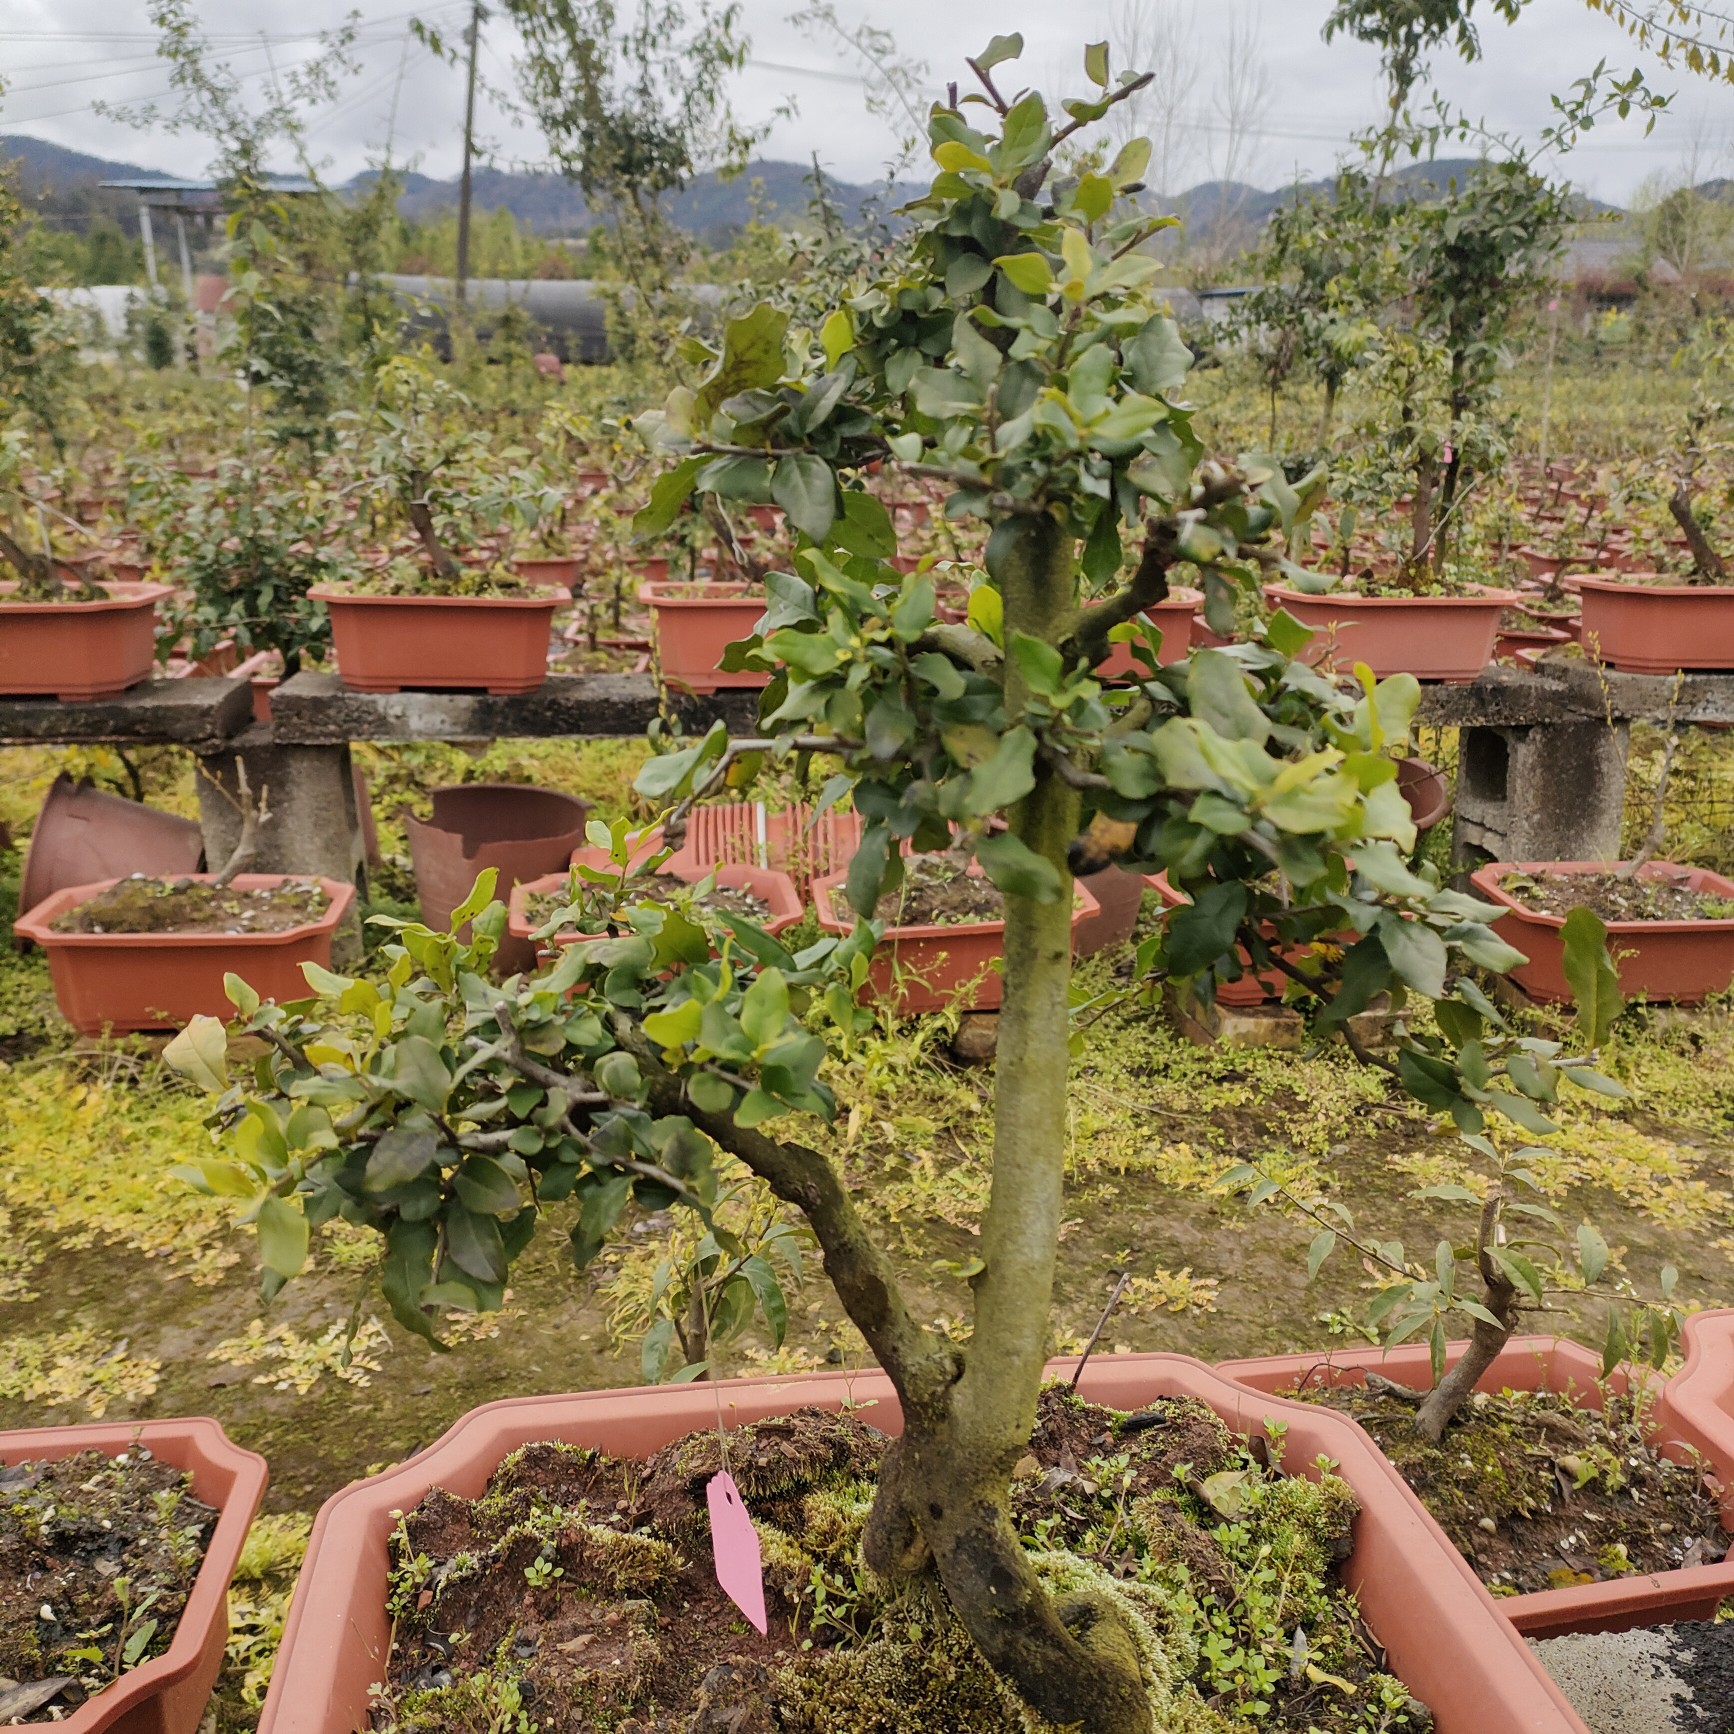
pixel 52 168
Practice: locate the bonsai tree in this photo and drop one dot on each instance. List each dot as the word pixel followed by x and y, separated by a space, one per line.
pixel 1014 353
pixel 1517 1262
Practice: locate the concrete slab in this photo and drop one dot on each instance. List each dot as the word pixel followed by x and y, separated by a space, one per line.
pixel 1673 1679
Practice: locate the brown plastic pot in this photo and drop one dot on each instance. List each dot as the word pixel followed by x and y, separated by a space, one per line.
pixel 83 835
pixel 775 889
pixel 1656 628
pixel 496 644
pixel 1173 618
pixel 1441 1630
pixel 158 981
pixel 168 1694
pixel 694 624
pixel 1448 638
pixel 1426 790
pixel 929 967
pixel 1549 1364
pixel 1119 896
pixel 1513 639
pixel 557 571
pixel 522 831
pixel 78 650
pixel 1701 1396
pixel 1675 962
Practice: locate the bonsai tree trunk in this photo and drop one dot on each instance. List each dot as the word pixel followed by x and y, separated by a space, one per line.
pixel 1499 1299
pixel 421 518
pixel 1706 562
pixel 1421 515
pixel 944 1488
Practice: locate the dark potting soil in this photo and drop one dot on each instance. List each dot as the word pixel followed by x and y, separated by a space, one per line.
pixel 1538 1493
pixel 578 1590
pixel 938 891
pixel 1615 899
pixel 97 1558
pixel 141 905
pixel 657 888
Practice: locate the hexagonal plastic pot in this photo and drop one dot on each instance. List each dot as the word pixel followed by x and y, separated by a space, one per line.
pixel 1551 1364
pixel 157 981
pixel 1656 628
pixel 1441 1630
pixel 1447 638
pixel 775 889
pixel 167 1695
pixel 78 650
pixel 929 967
pixel 1677 962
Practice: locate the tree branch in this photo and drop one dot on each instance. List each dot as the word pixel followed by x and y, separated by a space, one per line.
pixel 1089 640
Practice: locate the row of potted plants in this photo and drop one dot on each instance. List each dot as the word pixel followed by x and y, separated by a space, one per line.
pixel 1455 1648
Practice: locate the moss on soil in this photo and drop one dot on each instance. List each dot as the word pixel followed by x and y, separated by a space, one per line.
pixel 141 905
pixel 1539 1492
pixel 583 1582
pixel 1615 899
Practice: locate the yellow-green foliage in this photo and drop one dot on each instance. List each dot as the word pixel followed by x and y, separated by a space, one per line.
pixel 75 1365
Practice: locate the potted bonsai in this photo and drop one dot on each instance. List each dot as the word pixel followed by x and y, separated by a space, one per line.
pixel 129 1634
pixel 138 953
pixel 432 621
pixel 614 1076
pixel 1657 623
pixel 1559 1473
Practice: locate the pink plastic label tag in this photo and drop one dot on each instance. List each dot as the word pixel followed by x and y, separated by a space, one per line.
pixel 735 1545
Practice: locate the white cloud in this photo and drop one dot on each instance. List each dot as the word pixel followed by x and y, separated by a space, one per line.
pixel 61 56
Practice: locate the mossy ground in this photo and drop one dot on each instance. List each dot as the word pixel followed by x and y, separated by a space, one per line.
pixel 123 1292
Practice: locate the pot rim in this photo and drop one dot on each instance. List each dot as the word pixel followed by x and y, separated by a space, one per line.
pixel 206 1602
pixel 1622 584
pixel 1477 596
pixel 779 888
pixel 1487 879
pixel 336 595
pixel 38 924
pixel 124 594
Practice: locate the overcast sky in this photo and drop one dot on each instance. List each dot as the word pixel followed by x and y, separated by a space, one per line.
pixel 1298 100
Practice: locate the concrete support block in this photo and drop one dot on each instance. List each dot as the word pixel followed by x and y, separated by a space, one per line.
pixel 314 825
pixel 1551 792
pixel 1268 1025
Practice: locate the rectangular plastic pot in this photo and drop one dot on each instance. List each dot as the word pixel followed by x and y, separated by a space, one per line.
pixel 1656 628
pixel 158 981
pixel 1675 962
pixel 926 968
pixel 496 644
pixel 167 1695
pixel 1440 1628
pixel 78 650
pixel 694 624
pixel 1547 1364
pixel 1447 638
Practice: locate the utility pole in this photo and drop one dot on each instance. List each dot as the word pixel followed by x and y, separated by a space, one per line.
pixel 475 31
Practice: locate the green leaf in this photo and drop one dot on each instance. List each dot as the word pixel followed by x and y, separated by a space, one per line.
pixel 1017 869
pixel 1217 692
pixel 481 895
pixel 1285 635
pixel 283 1237
pixel 803 485
pixel 1006 777
pixel 1592 1253
pixel 1158 358
pixel 1416 952
pixel 677 1026
pixel 1324 1243
pixel 402 1153
pixel 710 1094
pixel 475 1244
pixel 1595 983
pixel 201 1052
pixel 865 526
pixel 752 357
pixel 668 495
pixel 1201 933
pixel 420 1074
pixel 240 995
pixel 1000 48
pixel 1029 273
pixel 765 1008
pixel 768 1291
pixel 867 868
pixel 486 1187
pixel 1096 63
